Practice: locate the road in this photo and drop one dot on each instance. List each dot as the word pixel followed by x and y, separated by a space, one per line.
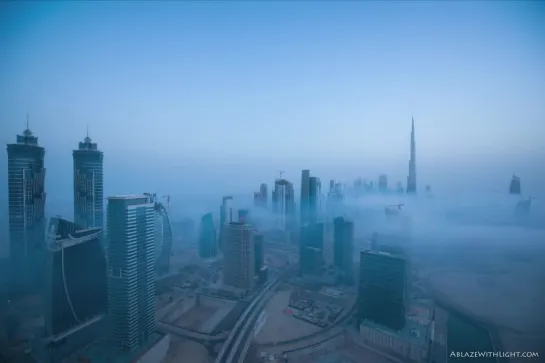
pixel 236 346
pixel 193 335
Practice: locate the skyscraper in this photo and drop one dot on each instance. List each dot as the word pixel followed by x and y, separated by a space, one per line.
pixel 26 194
pixel 383 183
pixel 239 256
pixel 411 179
pixel 514 185
pixel 284 204
pixel 130 258
pixel 343 245
pixel 162 235
pixel 259 253
pixel 260 198
pixel 382 289
pixel 313 200
pixel 226 216
pixel 305 176
pixel 76 295
pixel 207 237
pixel 88 185
pixel 311 248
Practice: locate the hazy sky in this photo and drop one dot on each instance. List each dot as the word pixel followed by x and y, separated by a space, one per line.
pixel 196 85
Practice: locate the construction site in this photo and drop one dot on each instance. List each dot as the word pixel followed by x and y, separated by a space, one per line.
pixel 294 313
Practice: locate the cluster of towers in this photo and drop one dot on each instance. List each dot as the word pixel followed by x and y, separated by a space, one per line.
pixel 86 274
pixel 27 198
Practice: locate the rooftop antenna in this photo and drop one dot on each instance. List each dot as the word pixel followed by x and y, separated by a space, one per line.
pixel 27 121
pixel 281 173
pixel 87 130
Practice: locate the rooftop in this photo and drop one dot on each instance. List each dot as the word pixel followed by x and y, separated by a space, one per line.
pixel 413 332
pixel 129 196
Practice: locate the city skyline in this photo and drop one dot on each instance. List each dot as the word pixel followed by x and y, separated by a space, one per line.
pixel 479 83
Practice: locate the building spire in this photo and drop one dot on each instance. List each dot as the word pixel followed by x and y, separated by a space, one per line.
pixel 27 121
pixel 87 134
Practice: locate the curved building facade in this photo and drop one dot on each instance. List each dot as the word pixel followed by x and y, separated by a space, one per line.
pixel 76 276
pixel 162 235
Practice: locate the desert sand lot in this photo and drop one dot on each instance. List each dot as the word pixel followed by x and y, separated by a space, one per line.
pixel 500 283
pixel 281 326
pixel 186 351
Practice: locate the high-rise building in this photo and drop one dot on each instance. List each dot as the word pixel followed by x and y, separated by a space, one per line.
pixel 382 289
pixel 260 198
pixel 383 183
pixel 313 262
pixel 226 216
pixel 334 199
pixel 130 256
pixel 26 194
pixel 243 215
pixel 207 237
pixel 239 256
pixel 76 295
pixel 343 245
pixel 88 185
pixel 162 235
pixel 304 201
pixel 514 186
pixel 313 202
pixel 311 241
pixel 259 253
pixel 284 204
pixel 411 179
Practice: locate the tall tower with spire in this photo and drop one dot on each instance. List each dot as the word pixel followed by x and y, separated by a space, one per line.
pixel 26 191
pixel 411 179
pixel 88 185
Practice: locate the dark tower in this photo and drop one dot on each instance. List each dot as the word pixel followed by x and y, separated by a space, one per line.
pixel 26 181
pixel 312 211
pixel 343 246
pixel 88 185
pixel 304 202
pixel 382 289
pixel 411 179
pixel 514 186
pixel 207 237
pixel 264 194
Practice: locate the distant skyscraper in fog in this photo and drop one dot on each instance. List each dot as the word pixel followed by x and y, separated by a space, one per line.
pixel 260 198
pixel 314 199
pixel 284 204
pixel 26 195
pixel 88 185
pixel 383 183
pixel 514 186
pixel 207 237
pixel 130 256
pixel 304 200
pixel 411 179
pixel 343 246
pixel 226 216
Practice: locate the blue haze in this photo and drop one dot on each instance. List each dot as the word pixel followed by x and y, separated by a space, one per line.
pixel 187 96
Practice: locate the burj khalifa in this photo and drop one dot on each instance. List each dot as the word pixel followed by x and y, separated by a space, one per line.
pixel 411 179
